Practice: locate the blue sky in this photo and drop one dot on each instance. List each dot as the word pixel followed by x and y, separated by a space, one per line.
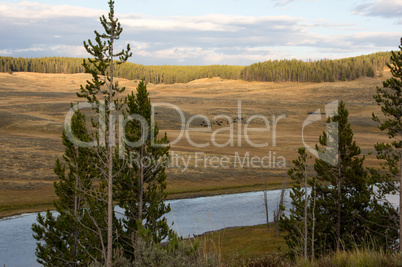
pixel 178 32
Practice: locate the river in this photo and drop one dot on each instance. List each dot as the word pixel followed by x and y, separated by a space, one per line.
pixel 190 217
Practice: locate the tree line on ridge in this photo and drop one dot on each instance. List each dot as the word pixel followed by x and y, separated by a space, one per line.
pixel 324 70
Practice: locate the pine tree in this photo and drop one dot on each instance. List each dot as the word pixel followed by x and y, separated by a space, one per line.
pixel 344 210
pixel 93 221
pixel 390 100
pixel 347 207
pixel 140 187
pixel 101 67
pixel 86 230
pixel 298 222
pixel 60 235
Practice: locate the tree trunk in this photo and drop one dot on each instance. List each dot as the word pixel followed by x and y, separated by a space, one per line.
pixel 338 221
pixel 141 177
pixel 110 165
pixel 266 209
pixel 141 174
pixel 279 212
pixel 305 212
pixel 76 200
pixel 110 210
pixel 313 226
pixel 400 203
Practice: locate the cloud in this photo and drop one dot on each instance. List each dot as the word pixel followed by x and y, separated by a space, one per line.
pixel 56 50
pixel 172 24
pixel 32 29
pixel 285 2
pixel 35 30
pixel 35 11
pixel 381 8
pixel 207 23
pixel 358 43
pixel 323 23
pixel 206 56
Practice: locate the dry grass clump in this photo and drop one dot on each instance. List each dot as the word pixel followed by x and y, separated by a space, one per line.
pixel 275 259
pixel 357 258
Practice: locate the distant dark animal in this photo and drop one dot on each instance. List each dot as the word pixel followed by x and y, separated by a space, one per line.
pixel 309 113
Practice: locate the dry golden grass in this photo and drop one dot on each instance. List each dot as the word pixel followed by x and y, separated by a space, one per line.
pixel 27 199
pixel 237 243
pixel 34 105
pixel 254 246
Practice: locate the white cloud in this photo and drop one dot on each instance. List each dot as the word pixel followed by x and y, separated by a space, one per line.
pixel 5 52
pixel 213 22
pixel 226 55
pixel 34 48
pixel 323 23
pixel 32 29
pixel 73 50
pixel 59 50
pixel 173 25
pixel 380 8
pixel 36 10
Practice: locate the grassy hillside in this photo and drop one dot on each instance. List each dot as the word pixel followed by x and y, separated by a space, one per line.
pixel 34 105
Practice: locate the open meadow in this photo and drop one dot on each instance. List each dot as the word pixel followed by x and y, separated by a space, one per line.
pixel 216 156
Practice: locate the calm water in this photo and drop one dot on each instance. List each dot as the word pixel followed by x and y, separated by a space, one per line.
pixel 190 217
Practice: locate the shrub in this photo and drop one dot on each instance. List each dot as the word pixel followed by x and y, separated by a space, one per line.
pixel 179 254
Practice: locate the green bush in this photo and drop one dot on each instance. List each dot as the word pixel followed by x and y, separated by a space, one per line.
pixel 152 255
pixel 148 254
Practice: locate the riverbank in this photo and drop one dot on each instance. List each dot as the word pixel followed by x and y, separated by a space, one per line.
pixel 37 199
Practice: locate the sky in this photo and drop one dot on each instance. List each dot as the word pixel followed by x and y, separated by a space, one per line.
pixel 194 32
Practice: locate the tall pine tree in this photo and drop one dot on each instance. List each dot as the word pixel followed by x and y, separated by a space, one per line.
pixel 297 223
pixel 62 238
pixel 347 206
pixel 102 91
pixel 344 210
pixel 93 225
pixel 140 188
pixel 390 99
